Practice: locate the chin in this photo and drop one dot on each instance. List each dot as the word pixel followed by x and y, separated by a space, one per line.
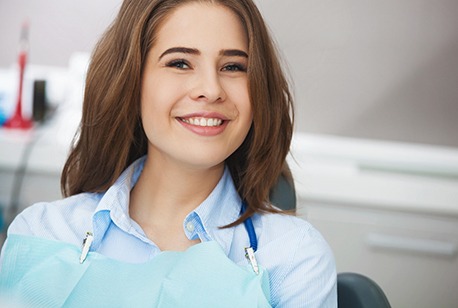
pixel 206 165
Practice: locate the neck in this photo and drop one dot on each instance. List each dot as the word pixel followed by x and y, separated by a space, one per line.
pixel 166 193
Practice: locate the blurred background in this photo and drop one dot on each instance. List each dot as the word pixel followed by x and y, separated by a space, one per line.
pixel 375 155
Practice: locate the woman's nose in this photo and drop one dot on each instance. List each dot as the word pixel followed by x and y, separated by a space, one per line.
pixel 208 87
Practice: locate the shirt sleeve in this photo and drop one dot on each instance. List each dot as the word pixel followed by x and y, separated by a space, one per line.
pixel 311 278
pixel 18 226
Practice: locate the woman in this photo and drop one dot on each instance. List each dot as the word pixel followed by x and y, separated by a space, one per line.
pixel 185 129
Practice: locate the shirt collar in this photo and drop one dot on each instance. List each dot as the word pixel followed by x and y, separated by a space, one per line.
pixel 114 203
pixel 220 208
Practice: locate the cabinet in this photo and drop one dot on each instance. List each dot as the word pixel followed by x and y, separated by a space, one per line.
pixel 412 256
pixel 389 211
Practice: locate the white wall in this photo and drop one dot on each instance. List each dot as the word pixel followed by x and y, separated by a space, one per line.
pixel 376 69
pixel 57 27
pixel 372 69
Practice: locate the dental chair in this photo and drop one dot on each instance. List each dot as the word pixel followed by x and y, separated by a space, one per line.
pixel 358 291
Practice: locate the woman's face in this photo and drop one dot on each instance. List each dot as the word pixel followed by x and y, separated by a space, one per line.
pixel 195 103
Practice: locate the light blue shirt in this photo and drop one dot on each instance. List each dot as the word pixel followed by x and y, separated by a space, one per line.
pixel 300 263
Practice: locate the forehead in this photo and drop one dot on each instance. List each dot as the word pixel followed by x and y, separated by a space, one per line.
pixel 202 25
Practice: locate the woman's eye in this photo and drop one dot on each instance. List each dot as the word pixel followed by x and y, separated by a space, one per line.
pixel 234 68
pixel 179 64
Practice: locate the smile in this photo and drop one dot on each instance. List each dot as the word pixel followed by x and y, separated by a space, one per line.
pixel 204 122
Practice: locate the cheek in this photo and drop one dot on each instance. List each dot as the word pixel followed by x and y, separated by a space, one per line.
pixel 245 107
pixel 239 95
pixel 152 111
pixel 156 98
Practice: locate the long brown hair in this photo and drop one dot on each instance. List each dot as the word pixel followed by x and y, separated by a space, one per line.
pixel 111 137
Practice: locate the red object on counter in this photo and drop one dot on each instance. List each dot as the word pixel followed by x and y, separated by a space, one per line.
pixel 17 120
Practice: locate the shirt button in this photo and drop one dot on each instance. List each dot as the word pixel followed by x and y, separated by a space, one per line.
pixel 190 226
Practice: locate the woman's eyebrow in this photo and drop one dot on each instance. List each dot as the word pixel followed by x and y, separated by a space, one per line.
pixel 180 50
pixel 194 51
pixel 233 53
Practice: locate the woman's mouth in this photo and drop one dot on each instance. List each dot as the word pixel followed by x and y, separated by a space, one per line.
pixel 204 125
pixel 203 122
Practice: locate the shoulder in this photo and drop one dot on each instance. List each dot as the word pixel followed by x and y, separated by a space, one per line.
pixel 58 220
pixel 299 260
pixel 289 229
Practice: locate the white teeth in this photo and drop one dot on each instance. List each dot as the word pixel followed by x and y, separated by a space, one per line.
pixel 203 121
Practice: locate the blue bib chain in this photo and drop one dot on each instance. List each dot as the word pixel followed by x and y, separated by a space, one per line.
pixel 249 251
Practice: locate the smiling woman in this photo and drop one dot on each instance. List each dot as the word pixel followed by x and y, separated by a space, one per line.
pixel 187 121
